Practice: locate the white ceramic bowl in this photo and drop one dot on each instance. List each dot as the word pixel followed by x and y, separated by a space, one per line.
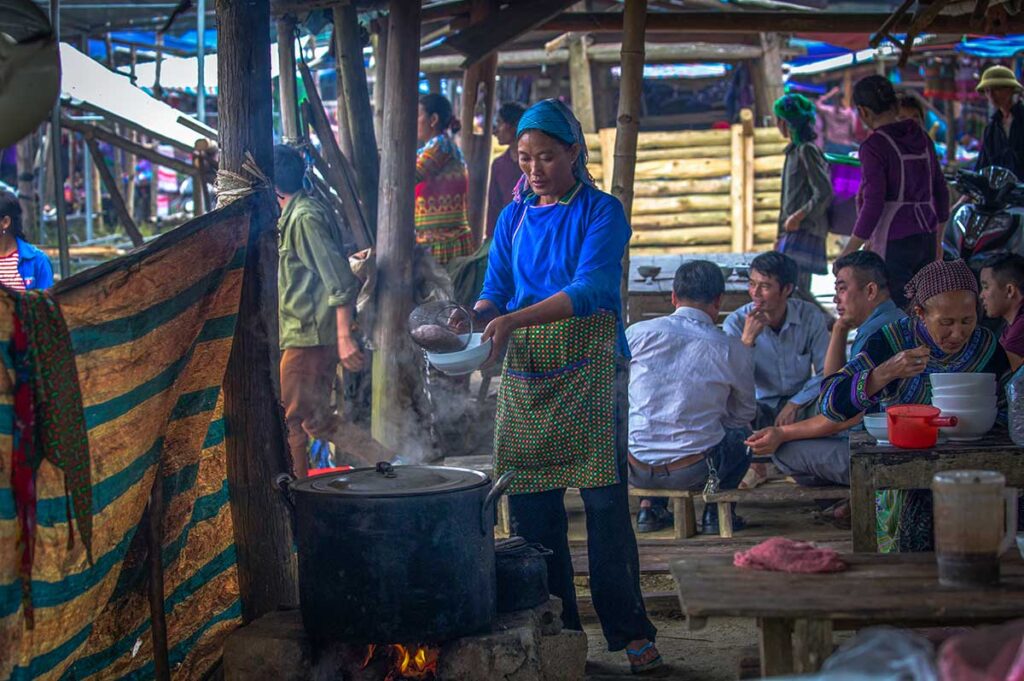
pixel 979 391
pixel 957 404
pixel 962 380
pixel 877 426
pixel 464 361
pixel 973 423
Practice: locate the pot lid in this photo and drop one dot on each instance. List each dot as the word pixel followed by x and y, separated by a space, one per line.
pixel 386 480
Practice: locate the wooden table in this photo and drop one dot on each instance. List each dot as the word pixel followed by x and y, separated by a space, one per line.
pixel 874 468
pixel 649 298
pixel 797 613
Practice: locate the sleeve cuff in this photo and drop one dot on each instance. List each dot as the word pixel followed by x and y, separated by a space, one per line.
pixel 580 303
pixel 859 397
pixel 340 298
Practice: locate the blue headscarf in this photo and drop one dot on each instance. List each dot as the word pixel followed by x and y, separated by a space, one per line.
pixel 554 118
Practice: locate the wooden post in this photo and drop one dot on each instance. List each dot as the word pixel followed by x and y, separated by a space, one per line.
pixel 951 139
pixel 627 125
pixel 116 198
pixel 478 97
pixel 581 82
pixel 26 152
pixel 767 73
pixel 736 183
pixel 380 75
pixel 286 74
pixel 155 545
pixel 359 113
pixel 255 440
pixel 747 122
pixel 396 232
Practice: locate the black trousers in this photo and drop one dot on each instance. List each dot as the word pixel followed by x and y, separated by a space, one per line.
pixel 611 545
pixel 903 259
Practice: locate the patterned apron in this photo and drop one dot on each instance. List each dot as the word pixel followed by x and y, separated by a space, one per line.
pixel 556 406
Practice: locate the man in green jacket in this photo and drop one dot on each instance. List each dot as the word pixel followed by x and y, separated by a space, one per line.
pixel 316 305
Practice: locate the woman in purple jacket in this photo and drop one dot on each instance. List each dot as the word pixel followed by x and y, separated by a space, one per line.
pixel 903 198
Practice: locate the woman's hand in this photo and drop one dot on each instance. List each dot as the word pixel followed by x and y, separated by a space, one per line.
pixel 498 331
pixel 766 441
pixel 906 364
pixel 793 222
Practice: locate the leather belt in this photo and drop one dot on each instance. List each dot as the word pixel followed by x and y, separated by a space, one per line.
pixel 666 468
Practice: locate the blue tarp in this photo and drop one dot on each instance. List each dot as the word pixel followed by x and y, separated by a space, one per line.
pixel 186 42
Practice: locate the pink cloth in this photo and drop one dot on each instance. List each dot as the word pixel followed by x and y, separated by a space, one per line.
pixel 785 555
pixel 985 654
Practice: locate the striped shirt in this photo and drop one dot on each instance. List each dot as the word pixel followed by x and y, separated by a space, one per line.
pixel 9 275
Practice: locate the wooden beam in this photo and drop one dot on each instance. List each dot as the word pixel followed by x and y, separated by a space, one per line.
pixel 255 440
pixel 768 85
pixel 287 81
pixel 359 113
pixel 113 139
pixel 627 128
pixel 26 158
pixel 488 36
pixel 120 207
pixel 394 357
pixel 478 102
pixel 443 10
pixel 758 22
pixel 380 75
pixel 581 82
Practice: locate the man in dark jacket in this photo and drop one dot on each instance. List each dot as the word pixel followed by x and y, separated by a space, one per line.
pixel 1003 143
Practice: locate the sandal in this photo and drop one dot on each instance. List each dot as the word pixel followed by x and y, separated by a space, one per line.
pixel 635 657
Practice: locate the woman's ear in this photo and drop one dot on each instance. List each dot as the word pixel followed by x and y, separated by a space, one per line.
pixel 5 223
pixel 435 120
pixel 574 153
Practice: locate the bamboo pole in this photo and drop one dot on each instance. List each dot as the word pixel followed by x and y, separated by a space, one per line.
pixel 287 81
pixel 116 198
pixel 358 110
pixel 255 440
pixel 736 188
pixel 391 401
pixel 628 120
pixel 749 169
pixel 478 100
pixel 654 188
pixel 26 160
pixel 380 74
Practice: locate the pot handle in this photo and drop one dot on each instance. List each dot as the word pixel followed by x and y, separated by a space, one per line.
pixel 283 483
pixel 943 421
pixel 492 498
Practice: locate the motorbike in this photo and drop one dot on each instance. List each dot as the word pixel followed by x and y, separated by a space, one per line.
pixel 991 222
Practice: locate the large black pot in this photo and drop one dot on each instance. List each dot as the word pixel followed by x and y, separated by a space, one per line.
pixel 401 554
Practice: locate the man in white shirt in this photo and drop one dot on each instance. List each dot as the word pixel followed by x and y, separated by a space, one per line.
pixel 691 397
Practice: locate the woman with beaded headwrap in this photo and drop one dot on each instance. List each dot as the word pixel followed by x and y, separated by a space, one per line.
pixel 551 295
pixel 806 191
pixel 942 336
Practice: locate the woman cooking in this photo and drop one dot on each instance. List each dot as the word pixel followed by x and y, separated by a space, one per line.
pixel 903 196
pixel 551 296
pixel 942 336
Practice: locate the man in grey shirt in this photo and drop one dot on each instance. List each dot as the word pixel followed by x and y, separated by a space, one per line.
pixel 691 397
pixel 789 339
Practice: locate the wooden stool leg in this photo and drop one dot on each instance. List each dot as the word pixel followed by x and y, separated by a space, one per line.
pixel 776 645
pixel 504 519
pixel 725 519
pixel 812 644
pixel 686 517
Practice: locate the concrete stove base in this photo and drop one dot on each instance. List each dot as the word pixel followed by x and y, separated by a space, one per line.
pixel 529 645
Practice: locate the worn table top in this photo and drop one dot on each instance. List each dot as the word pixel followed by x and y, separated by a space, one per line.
pixel 862 444
pixel 875 588
pixel 662 284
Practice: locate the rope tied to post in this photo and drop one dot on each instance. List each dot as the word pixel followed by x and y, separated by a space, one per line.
pixel 231 186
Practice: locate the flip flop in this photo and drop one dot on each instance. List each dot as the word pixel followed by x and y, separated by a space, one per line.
pixel 643 667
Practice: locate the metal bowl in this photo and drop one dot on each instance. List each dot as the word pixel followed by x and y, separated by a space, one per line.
pixel 648 271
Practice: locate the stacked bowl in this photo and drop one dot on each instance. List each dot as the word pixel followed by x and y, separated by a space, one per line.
pixel 969 397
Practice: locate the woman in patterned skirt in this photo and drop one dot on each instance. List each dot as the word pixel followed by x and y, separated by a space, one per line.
pixel 442 183
pixel 551 296
pixel 943 336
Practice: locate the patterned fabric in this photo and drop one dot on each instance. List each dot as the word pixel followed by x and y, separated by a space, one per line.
pixel 806 250
pixel 151 334
pixel 556 406
pixel 940 276
pixel 904 516
pixel 48 425
pixel 442 185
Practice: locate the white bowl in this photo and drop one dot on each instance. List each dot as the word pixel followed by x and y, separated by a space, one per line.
pixel 877 426
pixel 979 391
pixel 972 423
pixel 956 404
pixel 962 380
pixel 464 361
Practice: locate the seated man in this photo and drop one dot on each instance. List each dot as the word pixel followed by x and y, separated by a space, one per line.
pixel 1002 294
pixel 691 397
pixel 816 451
pixel 789 338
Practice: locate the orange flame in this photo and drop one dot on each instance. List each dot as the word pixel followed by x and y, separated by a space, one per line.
pixel 407 662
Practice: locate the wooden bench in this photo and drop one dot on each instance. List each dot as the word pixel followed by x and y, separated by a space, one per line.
pixel 685 524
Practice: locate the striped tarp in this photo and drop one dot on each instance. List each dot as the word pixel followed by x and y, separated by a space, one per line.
pixel 151 333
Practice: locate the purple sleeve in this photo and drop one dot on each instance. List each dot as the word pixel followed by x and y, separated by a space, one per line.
pixel 1012 339
pixel 873 190
pixel 940 192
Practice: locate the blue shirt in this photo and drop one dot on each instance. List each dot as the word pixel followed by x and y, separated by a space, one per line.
pixel 34 266
pixel 573 246
pixel 787 363
pixel 884 314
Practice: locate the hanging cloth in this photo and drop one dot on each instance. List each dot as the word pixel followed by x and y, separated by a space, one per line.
pixel 880 236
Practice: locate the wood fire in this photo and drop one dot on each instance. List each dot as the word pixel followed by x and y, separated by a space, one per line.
pixel 405 662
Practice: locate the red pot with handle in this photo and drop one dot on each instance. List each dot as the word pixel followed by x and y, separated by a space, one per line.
pixel 916 426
